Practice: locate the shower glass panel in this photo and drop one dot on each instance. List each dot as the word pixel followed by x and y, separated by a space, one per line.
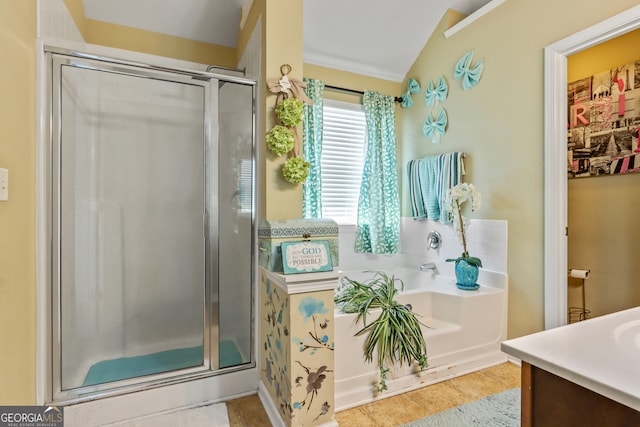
pixel 152 210
pixel 131 199
pixel 236 207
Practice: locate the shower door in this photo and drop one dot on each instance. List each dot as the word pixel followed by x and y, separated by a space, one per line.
pixel 134 210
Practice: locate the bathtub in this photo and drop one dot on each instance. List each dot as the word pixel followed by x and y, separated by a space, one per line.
pixel 463 332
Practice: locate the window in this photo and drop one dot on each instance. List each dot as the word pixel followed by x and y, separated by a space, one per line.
pixel 343 137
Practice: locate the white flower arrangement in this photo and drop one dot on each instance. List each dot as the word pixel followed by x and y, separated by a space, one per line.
pixel 456 196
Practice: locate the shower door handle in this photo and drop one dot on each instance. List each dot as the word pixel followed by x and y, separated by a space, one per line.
pixel 205 225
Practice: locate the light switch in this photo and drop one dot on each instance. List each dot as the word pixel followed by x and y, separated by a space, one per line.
pixel 4 185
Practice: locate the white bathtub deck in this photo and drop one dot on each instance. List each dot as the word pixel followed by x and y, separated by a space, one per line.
pixel 463 331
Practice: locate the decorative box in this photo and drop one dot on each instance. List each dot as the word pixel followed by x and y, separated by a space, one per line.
pixel 272 233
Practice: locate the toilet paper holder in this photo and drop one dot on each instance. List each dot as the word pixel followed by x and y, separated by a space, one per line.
pixel 578 273
pixel 579 313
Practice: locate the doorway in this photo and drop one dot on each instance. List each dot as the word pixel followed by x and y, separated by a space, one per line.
pixel 555 186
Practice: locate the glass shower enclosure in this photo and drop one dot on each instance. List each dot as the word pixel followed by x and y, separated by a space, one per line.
pixel 151 223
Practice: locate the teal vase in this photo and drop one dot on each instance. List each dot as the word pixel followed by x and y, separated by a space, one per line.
pixel 466 275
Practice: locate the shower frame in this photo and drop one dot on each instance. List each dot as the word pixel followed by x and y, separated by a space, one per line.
pixel 210 309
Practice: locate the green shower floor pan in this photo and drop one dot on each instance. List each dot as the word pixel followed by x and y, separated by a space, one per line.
pixel 154 363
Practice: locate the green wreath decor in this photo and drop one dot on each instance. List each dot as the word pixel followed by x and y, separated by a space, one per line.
pixel 290 111
pixel 296 170
pixel 280 140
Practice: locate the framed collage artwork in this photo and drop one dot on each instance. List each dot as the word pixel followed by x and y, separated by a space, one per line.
pixel 603 123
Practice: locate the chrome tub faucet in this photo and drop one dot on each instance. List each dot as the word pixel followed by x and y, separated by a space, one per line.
pixel 428 266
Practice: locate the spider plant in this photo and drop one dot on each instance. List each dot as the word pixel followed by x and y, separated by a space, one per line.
pixel 396 333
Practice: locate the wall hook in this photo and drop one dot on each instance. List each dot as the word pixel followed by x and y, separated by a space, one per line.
pixel 285 69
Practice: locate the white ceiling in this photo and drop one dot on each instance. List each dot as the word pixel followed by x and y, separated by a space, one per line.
pixel 378 38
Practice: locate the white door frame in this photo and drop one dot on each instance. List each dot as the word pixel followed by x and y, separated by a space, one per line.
pixel 555 155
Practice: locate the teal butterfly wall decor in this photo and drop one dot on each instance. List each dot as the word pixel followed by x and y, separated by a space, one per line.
pixel 470 75
pixel 412 87
pixel 435 94
pixel 434 129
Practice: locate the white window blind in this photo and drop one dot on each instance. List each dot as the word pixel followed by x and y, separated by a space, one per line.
pixel 343 138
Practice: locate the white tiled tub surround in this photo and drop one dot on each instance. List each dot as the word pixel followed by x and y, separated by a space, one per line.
pixel 486 239
pixel 465 328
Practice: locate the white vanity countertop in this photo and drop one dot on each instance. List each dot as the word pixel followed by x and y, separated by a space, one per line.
pixel 601 354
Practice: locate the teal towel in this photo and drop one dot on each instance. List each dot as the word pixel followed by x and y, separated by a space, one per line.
pixel 451 171
pixel 445 184
pixel 429 180
pixel 415 192
pixel 429 186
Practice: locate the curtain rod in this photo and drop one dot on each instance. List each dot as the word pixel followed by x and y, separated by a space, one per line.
pixel 397 99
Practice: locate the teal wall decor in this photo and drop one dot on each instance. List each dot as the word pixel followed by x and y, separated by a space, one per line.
pixel 470 75
pixel 412 87
pixel 436 94
pixel 434 129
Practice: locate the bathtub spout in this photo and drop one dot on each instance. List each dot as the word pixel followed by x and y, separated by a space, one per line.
pixel 428 266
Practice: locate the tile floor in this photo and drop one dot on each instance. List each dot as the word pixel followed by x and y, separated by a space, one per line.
pixel 397 410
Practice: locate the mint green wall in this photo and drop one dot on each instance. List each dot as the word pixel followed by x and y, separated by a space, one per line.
pixel 500 125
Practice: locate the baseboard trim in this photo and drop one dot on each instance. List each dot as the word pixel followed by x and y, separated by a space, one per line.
pixel 269 406
pixel 272 411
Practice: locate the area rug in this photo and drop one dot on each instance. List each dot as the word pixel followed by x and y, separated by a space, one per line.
pixel 212 415
pixel 497 410
pixel 136 366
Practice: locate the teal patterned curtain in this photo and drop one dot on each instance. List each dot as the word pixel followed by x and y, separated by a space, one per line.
pixel 311 149
pixel 378 229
